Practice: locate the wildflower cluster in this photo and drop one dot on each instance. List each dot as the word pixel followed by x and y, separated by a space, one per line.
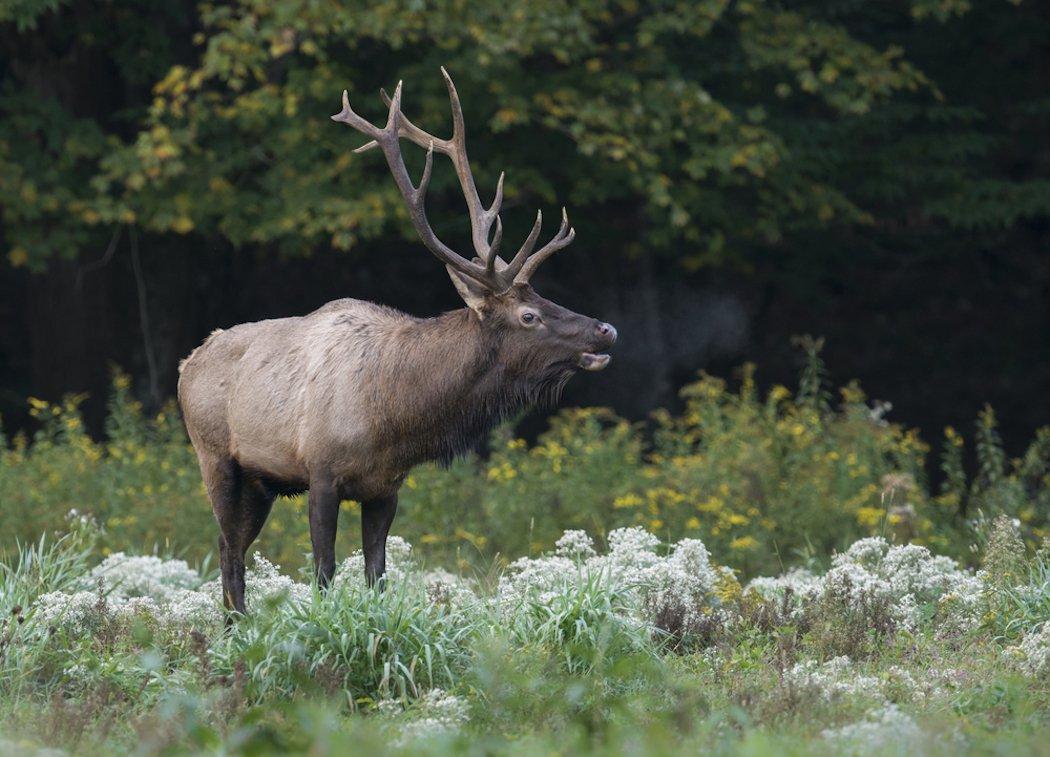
pixel 675 593
pixel 873 574
pixel 882 585
pixel 398 562
pixel 589 626
pixel 835 678
pixel 166 593
pixel 1032 654
pixel 436 713
pixel 884 730
pixel 840 678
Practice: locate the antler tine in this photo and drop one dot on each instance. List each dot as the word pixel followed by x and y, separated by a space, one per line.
pixel 562 239
pixel 388 140
pixel 490 261
pixel 347 116
pixel 395 110
pixel 481 218
pixel 512 269
pixel 410 131
pixel 459 131
pixel 490 270
pixel 497 201
pixel 424 180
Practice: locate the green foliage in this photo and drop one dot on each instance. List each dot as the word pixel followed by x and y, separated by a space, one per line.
pixel 47 160
pixel 772 480
pixel 357 668
pixel 721 126
pixel 140 484
pixel 25 13
pixel 362 644
pixel 238 114
pixel 1018 599
pixel 49 564
pixel 1019 488
pixel 583 624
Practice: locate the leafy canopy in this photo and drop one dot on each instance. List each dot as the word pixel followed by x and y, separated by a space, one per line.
pixel 704 130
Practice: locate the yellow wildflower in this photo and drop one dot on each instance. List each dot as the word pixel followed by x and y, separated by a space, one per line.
pixel 627 500
pixel 869 516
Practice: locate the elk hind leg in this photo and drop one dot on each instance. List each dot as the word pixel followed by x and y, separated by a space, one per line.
pixel 324 517
pixel 240 508
pixel 255 504
pixel 376 517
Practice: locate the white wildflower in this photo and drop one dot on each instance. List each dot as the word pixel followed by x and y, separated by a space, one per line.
pixel 77 613
pixel 138 608
pixel 629 547
pixel 898 684
pixel 575 544
pixel 798 582
pixel 792 592
pixel 883 730
pixel 1032 654
pixel 673 592
pixel 192 609
pixel 399 563
pixel 678 590
pixel 142 576
pixel 535 578
pixel 264 583
pixel 871 574
pixel 447 589
pixel 836 678
pixel 436 713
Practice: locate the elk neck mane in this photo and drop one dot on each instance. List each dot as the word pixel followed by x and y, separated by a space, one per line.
pixel 450 383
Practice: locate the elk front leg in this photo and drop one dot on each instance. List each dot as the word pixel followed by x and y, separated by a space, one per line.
pixel 376 517
pixel 324 516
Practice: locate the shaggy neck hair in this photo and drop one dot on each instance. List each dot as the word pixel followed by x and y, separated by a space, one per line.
pixel 439 414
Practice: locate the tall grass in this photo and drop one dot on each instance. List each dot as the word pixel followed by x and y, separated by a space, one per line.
pixel 355 641
pixel 51 563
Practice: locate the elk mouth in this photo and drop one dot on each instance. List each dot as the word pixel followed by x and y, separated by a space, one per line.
pixel 593 361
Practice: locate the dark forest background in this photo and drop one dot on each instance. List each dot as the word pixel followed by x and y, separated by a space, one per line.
pixel 738 172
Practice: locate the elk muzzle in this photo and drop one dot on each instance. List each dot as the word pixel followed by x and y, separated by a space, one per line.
pixel 605 337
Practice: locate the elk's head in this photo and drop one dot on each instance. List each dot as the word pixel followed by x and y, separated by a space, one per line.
pixel 543 339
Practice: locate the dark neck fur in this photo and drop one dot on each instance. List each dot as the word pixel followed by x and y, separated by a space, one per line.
pixel 448 388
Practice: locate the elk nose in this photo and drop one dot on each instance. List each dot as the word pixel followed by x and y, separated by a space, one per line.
pixel 607 332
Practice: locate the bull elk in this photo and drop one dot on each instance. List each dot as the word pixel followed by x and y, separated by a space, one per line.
pixel 346 400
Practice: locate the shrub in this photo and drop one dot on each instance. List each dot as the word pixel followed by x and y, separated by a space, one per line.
pixel 769 479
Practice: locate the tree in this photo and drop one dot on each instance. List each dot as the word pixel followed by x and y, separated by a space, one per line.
pixel 694 122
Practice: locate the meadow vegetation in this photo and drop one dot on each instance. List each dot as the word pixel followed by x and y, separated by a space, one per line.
pixel 757 573
pixel 640 646
pixel 767 480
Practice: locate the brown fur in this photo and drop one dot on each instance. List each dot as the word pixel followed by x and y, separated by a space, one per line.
pixel 345 400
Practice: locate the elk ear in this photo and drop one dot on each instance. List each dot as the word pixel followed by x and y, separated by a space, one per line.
pixel 472 292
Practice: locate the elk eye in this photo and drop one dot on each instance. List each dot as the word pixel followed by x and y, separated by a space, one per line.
pixel 528 318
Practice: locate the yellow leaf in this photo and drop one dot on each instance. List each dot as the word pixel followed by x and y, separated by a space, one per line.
pixel 18 257
pixel 182 225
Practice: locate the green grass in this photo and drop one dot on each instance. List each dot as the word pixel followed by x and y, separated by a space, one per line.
pixel 633 646
pixel 579 661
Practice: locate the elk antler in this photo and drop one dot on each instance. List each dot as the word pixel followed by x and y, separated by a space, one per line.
pixel 489 270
